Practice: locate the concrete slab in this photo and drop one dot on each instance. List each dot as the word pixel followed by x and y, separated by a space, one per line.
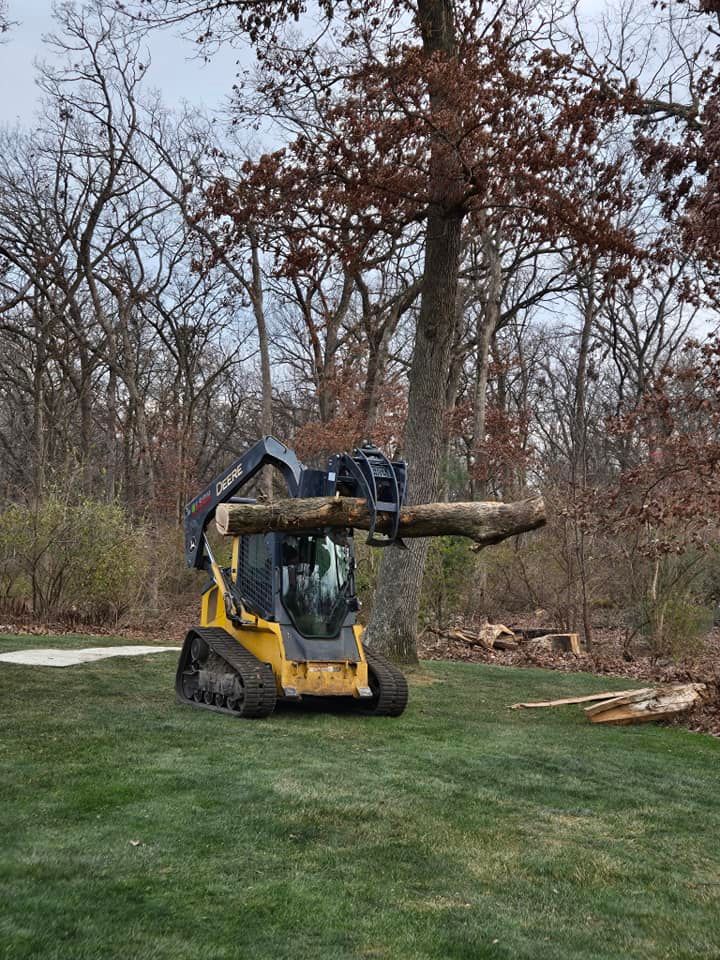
pixel 52 657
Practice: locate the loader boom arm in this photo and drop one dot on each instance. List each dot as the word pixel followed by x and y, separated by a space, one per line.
pixel 201 510
pixel 365 473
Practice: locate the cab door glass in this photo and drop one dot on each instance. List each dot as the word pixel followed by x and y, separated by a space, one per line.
pixel 316 584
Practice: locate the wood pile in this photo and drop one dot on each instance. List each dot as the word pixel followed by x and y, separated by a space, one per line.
pixel 496 636
pixel 492 636
pixel 632 706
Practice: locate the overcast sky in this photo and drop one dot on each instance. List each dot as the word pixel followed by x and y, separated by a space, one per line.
pixel 173 70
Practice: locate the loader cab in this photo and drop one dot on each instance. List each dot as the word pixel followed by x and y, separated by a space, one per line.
pixel 305 580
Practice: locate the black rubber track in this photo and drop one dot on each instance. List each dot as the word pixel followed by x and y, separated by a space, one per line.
pixel 389 687
pixel 257 678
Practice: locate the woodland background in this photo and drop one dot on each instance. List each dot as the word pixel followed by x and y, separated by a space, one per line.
pixel 174 285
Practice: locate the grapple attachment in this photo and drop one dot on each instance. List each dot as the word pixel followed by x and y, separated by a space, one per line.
pixel 368 473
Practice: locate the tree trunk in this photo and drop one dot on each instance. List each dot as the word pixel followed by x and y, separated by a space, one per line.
pixel 458 356
pixel 378 352
pixel 579 464
pixel 258 303
pixel 38 435
pixel 579 427
pixel 488 324
pixel 485 523
pixel 112 444
pixel 393 625
pixel 86 418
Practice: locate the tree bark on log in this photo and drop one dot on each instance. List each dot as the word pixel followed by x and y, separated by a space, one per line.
pixel 484 522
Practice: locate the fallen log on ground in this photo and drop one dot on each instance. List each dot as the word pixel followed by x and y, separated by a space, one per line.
pixel 633 706
pixel 484 522
pixel 497 636
pixel 491 636
pixel 607 695
pixel 505 643
pixel 464 636
pixel 640 706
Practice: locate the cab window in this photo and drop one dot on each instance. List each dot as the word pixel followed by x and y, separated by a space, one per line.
pixel 316 584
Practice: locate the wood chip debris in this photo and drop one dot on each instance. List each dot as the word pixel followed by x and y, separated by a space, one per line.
pixel 632 706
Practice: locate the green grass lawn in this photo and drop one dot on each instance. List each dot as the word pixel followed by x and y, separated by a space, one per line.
pixel 461 830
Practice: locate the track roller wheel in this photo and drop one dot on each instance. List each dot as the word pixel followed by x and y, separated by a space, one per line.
pixel 199 652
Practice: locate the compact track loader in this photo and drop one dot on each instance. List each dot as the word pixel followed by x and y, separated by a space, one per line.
pixel 280 621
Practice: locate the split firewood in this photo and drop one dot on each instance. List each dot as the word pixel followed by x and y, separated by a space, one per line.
pixel 640 706
pixel 497 635
pixel 484 522
pixel 633 706
pixel 491 636
pixel 607 695
pixel 621 699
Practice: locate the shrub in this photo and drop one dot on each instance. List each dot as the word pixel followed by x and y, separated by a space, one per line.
pixel 675 626
pixel 671 615
pixel 451 581
pixel 85 559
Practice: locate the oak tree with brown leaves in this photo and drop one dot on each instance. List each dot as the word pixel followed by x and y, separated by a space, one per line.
pixel 431 113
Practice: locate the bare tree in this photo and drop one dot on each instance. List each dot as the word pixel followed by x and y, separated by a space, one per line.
pixel 5 22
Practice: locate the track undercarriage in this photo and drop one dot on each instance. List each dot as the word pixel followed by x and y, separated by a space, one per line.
pixel 217 673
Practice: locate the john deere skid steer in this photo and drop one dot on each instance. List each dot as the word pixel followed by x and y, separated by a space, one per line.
pixel 280 621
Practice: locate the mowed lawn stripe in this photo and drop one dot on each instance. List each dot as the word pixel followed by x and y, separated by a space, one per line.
pixel 463 829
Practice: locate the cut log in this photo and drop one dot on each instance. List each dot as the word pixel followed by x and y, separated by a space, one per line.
pixel 484 522
pixel 556 643
pixel 533 633
pixel 496 637
pixel 607 695
pixel 638 707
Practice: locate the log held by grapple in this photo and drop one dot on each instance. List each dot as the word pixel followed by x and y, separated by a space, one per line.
pixel 485 522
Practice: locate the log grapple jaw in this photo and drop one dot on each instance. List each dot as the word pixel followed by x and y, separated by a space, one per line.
pixel 368 473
